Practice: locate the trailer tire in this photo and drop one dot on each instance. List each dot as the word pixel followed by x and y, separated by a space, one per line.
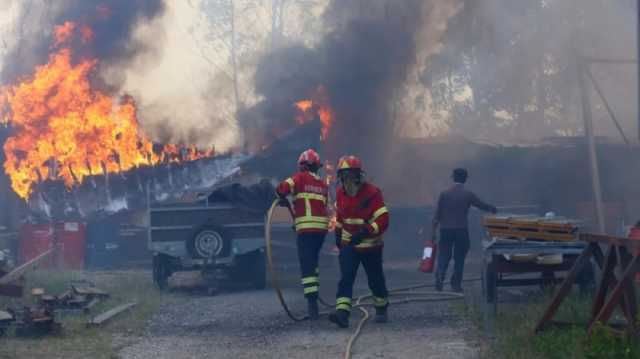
pixel 161 271
pixel 207 242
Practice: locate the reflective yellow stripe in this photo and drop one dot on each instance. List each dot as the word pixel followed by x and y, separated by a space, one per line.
pixel 312 219
pixel 367 245
pixel 343 303
pixel 338 225
pixel 376 229
pixel 307 208
pixel 312 225
pixel 314 196
pixel 343 300
pixel 309 280
pixel 372 240
pixel 354 221
pixel 380 302
pixel 309 290
pixel 382 210
pixel 292 184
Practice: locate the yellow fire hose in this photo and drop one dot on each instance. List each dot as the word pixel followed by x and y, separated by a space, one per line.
pixel 408 293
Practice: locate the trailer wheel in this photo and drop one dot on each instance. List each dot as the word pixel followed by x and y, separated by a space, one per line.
pixel 208 242
pixel 161 271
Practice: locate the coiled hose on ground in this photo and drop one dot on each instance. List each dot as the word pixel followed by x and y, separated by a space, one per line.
pixel 397 295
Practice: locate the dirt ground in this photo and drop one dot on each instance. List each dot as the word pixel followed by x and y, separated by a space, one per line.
pixel 246 323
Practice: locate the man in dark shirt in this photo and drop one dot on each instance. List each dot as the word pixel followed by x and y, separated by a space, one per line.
pixel 451 219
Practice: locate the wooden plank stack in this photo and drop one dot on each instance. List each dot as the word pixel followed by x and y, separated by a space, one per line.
pixel 531 228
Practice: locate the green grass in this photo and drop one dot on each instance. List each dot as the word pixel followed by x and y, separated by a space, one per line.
pixel 75 340
pixel 514 324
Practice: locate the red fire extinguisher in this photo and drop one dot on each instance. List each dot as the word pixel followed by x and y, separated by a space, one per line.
pixel 428 256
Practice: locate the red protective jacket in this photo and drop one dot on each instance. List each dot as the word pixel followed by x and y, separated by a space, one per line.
pixel 310 201
pixel 366 210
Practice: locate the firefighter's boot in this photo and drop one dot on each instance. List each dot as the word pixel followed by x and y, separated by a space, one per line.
pixel 312 309
pixel 340 317
pixel 381 315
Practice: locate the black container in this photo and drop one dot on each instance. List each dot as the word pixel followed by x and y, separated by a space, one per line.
pixel 117 241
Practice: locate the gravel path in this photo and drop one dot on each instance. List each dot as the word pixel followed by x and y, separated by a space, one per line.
pixel 251 324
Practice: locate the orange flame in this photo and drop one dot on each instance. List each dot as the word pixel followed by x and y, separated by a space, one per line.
pixel 64 129
pixel 62 33
pixel 318 105
pixel 304 105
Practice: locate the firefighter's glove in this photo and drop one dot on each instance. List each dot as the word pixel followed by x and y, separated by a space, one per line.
pixel 359 236
pixel 283 202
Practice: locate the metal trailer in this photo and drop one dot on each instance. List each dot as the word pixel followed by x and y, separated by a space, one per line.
pixel 222 240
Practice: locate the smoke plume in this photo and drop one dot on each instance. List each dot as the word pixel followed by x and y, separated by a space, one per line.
pixel 112 23
pixel 364 63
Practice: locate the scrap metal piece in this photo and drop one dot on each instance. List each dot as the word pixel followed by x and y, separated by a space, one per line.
pixel 38 321
pixel 19 271
pixel 109 314
pixel 91 304
pixel 89 291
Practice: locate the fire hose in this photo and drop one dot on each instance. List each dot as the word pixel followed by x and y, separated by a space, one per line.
pixel 399 295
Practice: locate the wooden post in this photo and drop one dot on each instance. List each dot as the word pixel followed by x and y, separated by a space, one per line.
pixel 589 134
pixel 622 253
pixel 614 299
pixel 565 288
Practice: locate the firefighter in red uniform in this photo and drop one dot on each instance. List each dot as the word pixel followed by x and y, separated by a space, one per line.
pixel 361 220
pixel 309 194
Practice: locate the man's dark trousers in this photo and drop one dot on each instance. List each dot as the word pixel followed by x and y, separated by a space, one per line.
pixel 309 245
pixel 372 262
pixel 453 241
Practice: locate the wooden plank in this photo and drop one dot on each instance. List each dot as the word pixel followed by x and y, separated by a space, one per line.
pixel 89 291
pixel 610 283
pixel 565 288
pixel 608 276
pixel 110 314
pixel 614 299
pixel 631 244
pixel 531 234
pixel 16 273
pixel 629 297
pixel 91 304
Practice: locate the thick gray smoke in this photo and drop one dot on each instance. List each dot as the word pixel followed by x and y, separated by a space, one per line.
pixel 362 63
pixel 112 23
pixel 508 73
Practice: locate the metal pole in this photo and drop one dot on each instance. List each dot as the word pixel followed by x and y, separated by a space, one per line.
pixel 588 132
pixel 596 86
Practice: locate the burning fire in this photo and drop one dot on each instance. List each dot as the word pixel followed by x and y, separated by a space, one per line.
pixel 62 128
pixel 318 105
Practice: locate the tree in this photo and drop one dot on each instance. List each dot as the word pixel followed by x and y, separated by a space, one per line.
pixel 518 60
